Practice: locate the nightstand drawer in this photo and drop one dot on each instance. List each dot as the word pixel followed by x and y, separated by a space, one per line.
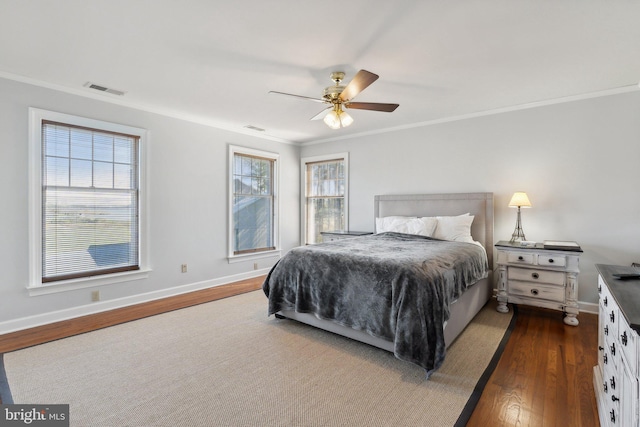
pixel 519 258
pixel 552 261
pixel 536 290
pixel 532 275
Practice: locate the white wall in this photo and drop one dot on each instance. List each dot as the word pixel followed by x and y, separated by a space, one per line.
pixel 579 162
pixel 187 183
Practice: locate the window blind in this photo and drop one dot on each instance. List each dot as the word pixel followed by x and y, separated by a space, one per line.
pixel 89 202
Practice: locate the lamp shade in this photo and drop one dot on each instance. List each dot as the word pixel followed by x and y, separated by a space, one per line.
pixel 332 120
pixel 337 118
pixel 519 200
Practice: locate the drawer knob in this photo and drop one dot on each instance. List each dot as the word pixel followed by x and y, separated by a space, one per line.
pixel 624 338
pixel 520 258
pixel 534 292
pixel 551 261
pixel 535 275
pixel 614 399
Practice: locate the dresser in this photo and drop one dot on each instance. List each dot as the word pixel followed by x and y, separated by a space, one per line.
pixel 538 276
pixel 330 236
pixel 615 377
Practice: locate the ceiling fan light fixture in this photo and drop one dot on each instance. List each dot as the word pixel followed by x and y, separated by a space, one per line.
pixel 337 118
pixel 345 119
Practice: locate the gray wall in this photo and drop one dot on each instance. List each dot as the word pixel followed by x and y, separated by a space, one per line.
pixel 187 193
pixel 578 161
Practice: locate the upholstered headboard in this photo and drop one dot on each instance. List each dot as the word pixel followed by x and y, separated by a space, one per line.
pixel 480 205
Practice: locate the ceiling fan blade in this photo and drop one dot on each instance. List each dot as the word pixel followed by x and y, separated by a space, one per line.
pixel 359 83
pixel 321 114
pixel 298 96
pixel 373 106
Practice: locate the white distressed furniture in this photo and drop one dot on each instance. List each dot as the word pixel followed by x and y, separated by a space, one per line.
pixel 332 236
pixel 533 275
pixel 615 377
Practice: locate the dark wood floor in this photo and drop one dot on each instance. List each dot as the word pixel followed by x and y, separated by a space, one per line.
pixel 544 377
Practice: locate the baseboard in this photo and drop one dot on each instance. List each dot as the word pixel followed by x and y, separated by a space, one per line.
pixel 37 320
pixel 588 307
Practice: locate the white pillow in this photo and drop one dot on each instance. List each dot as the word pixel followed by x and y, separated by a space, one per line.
pixel 456 228
pixel 406 225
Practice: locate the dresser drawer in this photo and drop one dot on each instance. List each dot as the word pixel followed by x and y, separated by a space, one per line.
pixel 552 261
pixel 605 296
pixel 627 339
pixel 534 275
pixel 520 258
pixel 536 290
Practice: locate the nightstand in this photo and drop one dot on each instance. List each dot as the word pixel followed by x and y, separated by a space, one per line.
pixel 539 276
pixel 331 236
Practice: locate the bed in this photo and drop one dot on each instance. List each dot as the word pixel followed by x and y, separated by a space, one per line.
pixel 381 290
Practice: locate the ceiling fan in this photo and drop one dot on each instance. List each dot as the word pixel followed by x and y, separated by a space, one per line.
pixel 339 96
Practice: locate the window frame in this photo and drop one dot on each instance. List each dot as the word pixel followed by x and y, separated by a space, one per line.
pixel 35 285
pixel 303 187
pixel 252 255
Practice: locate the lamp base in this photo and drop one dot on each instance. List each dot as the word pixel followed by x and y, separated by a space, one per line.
pixel 518 234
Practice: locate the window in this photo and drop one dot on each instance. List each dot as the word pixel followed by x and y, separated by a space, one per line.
pixel 253 204
pixel 88 199
pixel 325 203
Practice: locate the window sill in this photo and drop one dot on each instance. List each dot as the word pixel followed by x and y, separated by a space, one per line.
pixel 86 282
pixel 250 257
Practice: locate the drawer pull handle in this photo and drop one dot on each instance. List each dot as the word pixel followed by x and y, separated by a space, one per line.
pixel 624 337
pixel 535 275
pixel 534 291
pixel 613 383
pixel 612 316
pixel 599 288
pixel 613 416
pixel 614 399
pixel 520 258
pixel 613 353
pixel 606 302
pixel 606 387
pixel 600 348
pixel 605 359
pixel 551 261
pixel 606 330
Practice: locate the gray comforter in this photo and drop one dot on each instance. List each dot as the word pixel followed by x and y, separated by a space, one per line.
pixel 394 286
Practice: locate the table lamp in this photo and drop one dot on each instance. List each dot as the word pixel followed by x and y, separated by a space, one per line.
pixel 519 200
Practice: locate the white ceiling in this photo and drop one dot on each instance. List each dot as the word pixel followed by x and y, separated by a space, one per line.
pixel 214 62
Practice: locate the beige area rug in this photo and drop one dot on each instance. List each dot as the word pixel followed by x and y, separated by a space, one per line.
pixel 225 363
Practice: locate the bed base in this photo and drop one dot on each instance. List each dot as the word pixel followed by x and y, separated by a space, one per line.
pixel 462 312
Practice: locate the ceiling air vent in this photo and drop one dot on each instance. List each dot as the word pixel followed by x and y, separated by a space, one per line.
pixel 103 89
pixel 257 129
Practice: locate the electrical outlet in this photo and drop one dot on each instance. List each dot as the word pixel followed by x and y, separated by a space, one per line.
pixel 95 296
pixel 184 268
pixel 255 265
